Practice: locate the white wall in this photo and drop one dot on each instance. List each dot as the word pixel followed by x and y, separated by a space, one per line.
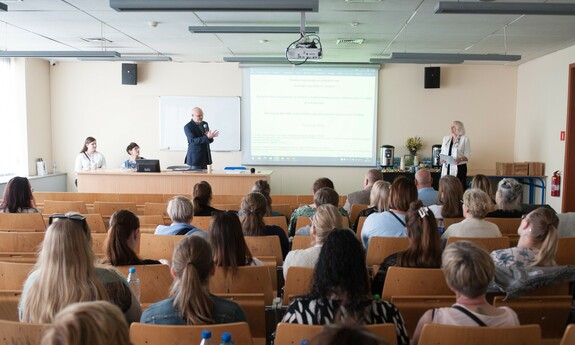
pixel 542 112
pixel 87 99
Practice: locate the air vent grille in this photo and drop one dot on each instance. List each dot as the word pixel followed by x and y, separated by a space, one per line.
pixel 350 41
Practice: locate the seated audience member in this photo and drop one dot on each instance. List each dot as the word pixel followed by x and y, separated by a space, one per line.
pixel 476 204
pixel 325 219
pixel 181 212
pixel 425 191
pixel 191 302
pixel 378 200
pixel 340 290
pixel 309 210
pixel 65 274
pixel 324 196
pixel 202 196
pixel 123 237
pixel 18 197
pixel 468 270
pixel 448 202
pixel 508 198
pixel 482 182
pixel 391 223
pixel 88 323
pixel 346 335
pixel 424 245
pixel 134 151
pixel 254 206
pixel 89 158
pixel 363 196
pixel 537 244
pixel 229 246
pixel 263 187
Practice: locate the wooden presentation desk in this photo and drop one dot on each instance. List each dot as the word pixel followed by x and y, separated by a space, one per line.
pixel 166 182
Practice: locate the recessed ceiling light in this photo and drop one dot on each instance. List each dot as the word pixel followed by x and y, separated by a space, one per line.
pixel 95 39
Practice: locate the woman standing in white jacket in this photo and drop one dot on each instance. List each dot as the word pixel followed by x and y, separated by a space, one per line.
pixel 455 152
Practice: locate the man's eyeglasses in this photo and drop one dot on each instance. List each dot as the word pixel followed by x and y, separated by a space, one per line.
pixel 76 217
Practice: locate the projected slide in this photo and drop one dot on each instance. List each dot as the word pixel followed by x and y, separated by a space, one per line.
pixel 310 116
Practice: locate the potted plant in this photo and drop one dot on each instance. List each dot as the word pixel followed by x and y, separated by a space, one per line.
pixel 413 144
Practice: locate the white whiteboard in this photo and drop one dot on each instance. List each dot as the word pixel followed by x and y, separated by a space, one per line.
pixel 221 113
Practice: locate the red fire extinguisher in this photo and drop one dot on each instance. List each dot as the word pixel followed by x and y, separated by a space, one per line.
pixel 556 184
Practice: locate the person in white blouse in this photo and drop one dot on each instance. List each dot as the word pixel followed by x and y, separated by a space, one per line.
pixel 455 152
pixel 89 158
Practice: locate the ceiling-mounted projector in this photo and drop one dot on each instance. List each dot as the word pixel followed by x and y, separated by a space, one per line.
pixel 307 47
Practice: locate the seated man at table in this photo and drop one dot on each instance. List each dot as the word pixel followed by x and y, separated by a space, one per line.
pixel 425 191
pixel 362 196
pixel 181 212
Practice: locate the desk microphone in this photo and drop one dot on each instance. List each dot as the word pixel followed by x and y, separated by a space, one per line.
pixel 253 170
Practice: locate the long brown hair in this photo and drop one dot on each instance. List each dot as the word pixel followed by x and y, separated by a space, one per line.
pixel 86 142
pixel 17 195
pixel 229 246
pixel 450 195
pixel 424 242
pixel 402 193
pixel 202 195
pixel 544 223
pixel 254 207
pixel 192 263
pixel 123 224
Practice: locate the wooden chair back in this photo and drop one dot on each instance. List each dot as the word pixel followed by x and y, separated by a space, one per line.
pixel 382 247
pixel 305 199
pixel 565 253
pixel 279 221
pixel 227 199
pixel 293 333
pixel 154 219
pixel 360 226
pixel 265 246
pixel 247 279
pixel 472 335
pixel 13 275
pixel 507 226
pixel 298 283
pixel 16 221
pixel 488 243
pixel 98 242
pixel 202 222
pixel 53 206
pixel 148 334
pixel 253 305
pixel 284 209
pixel 288 199
pixel 153 208
pixel 20 242
pixel 108 208
pixel 401 281
pixel 19 333
pixel 354 211
pixel 9 301
pixel 413 307
pixel 450 221
pixel 226 207
pixel 155 281
pixel 158 246
pixel 301 242
pixel 549 312
pixel 140 198
pixel 302 221
pixel 96 222
pixel 569 335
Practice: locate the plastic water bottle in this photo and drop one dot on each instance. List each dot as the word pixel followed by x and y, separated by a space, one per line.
pixel 440 226
pixel 54 168
pixel 227 339
pixel 134 282
pixel 206 337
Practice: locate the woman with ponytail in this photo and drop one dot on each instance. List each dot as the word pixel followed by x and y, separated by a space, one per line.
pixel 424 245
pixel 537 244
pixel 190 302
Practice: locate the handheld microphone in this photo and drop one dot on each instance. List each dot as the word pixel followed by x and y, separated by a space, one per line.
pixel 205 126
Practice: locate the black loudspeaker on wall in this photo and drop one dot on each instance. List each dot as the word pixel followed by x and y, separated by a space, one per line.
pixel 432 77
pixel 129 74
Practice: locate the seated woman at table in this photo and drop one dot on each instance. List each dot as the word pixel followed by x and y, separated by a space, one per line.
pixel 181 212
pixel 476 204
pixel 340 291
pixel 508 198
pixel 89 158
pixel 122 240
pixel 18 197
pixel 537 244
pixel 254 207
pixel 134 151
pixel 424 245
pixel 202 196
pixel 449 195
pixel 468 271
pixel 378 200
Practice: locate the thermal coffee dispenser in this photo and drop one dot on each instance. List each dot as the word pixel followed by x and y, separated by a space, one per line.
pixel 435 159
pixel 386 153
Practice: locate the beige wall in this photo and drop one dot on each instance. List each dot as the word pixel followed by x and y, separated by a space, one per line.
pixel 542 112
pixel 87 99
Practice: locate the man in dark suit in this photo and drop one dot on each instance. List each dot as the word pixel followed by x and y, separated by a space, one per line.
pixel 199 138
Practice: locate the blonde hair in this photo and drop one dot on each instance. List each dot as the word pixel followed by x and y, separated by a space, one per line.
pixel 192 263
pixel 180 209
pixel 325 219
pixel 459 128
pixel 468 268
pixel 477 202
pixel 65 272
pixel 379 195
pixel 544 223
pixel 88 323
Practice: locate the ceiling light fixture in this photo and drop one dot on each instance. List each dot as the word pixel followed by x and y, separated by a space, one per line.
pixel 465 57
pixel 258 59
pixel 134 58
pixel 60 54
pixel 250 29
pixel 416 61
pixel 518 8
pixel 215 5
